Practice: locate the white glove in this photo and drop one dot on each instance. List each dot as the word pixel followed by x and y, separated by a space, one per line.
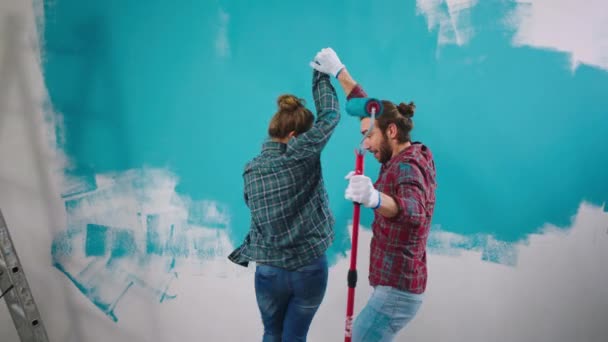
pixel 327 61
pixel 361 190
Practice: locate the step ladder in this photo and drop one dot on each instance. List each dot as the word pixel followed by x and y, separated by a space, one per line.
pixel 16 291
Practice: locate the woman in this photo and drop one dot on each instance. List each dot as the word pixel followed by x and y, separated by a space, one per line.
pixel 291 223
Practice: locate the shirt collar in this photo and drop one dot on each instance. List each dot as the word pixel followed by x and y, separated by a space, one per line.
pixel 273 146
pixel 399 156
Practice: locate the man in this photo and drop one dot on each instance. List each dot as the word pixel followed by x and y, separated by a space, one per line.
pixel 403 200
pixel 291 223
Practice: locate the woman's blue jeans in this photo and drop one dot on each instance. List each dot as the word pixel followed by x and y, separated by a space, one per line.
pixel 288 300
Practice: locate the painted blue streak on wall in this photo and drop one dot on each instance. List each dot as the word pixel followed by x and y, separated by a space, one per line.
pixel 96 240
pixel 109 250
pixel 104 278
pixel 123 244
pixel 88 292
pixel 178 244
pixel 153 242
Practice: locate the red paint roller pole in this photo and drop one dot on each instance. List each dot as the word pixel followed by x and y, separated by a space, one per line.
pixel 352 272
pixel 371 108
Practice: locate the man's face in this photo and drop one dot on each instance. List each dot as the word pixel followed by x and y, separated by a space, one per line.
pixel 376 142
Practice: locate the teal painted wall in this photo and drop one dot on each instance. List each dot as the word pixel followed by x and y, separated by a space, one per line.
pixel 191 86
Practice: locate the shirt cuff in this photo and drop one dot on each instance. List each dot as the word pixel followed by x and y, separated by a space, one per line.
pixel 356 92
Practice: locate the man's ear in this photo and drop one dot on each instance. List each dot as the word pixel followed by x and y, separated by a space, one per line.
pixel 291 134
pixel 392 131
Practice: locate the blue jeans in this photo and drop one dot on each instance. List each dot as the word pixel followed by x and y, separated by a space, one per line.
pixel 288 300
pixel 387 312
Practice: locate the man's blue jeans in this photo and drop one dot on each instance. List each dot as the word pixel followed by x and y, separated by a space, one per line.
pixel 288 301
pixel 386 313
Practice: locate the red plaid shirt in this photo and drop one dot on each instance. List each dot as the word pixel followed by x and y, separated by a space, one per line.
pixel 398 246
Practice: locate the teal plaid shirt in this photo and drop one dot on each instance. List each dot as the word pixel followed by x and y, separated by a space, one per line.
pixel 291 223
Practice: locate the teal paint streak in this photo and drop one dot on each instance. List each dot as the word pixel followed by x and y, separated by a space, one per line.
pixel 83 182
pixel 124 244
pixel 62 244
pixel 108 273
pixel 177 245
pixel 153 239
pixel 96 240
pixel 100 304
pixel 518 140
pixel 491 250
pixel 165 295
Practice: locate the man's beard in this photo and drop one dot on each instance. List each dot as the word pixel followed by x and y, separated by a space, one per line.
pixel 385 152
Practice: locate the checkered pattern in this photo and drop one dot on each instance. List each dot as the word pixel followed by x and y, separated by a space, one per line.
pixel 291 223
pixel 398 246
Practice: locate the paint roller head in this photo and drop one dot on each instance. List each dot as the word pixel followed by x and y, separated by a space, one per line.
pixel 373 106
pixel 364 107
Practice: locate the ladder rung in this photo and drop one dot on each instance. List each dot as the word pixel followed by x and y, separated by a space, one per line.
pixel 16 292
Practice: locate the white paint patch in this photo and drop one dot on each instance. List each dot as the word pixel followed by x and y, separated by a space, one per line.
pixel 493 250
pixel 222 43
pixel 452 18
pixel 29 180
pixel 132 231
pixel 556 292
pixel 577 27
